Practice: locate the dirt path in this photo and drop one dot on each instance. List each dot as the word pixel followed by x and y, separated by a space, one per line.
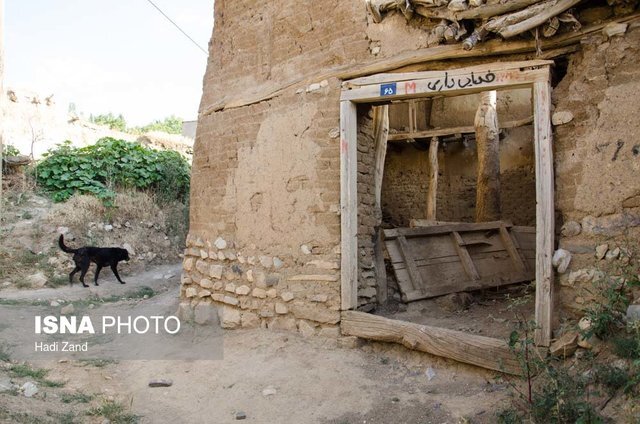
pixel 270 377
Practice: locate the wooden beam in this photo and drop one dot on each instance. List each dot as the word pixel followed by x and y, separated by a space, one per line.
pixel 482 351
pixel 443 229
pixel 348 205
pixel 445 83
pixel 409 260
pixel 412 57
pixel 538 18
pixel 381 125
pixel 488 152
pixel 432 188
pixel 465 258
pixel 545 212
pixel 481 12
pixel 443 132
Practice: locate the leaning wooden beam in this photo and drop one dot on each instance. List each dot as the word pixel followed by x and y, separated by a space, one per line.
pixel 432 190
pixel 488 152
pixel 482 351
pixel 381 132
pixel 441 132
pixel 412 57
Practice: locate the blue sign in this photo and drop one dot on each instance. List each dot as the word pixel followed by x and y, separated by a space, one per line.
pixel 388 89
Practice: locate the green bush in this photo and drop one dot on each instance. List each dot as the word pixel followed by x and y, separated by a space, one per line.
pixel 117 123
pixel 111 163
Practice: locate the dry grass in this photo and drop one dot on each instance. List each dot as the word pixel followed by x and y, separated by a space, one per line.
pixel 129 206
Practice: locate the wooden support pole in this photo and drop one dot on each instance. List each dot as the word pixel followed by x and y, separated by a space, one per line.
pixel 482 351
pixel 348 205
pixel 2 101
pixel 433 179
pixel 381 134
pixel 488 147
pixel 545 212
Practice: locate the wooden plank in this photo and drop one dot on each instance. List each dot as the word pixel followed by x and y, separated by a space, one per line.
pixel 381 270
pixel 381 122
pixel 545 213
pixel 442 229
pixel 432 190
pixel 348 206
pixel 467 263
pixel 442 83
pixel 414 223
pixel 482 351
pixel 456 72
pixel 512 250
pixel 441 132
pixel 469 285
pixel 414 274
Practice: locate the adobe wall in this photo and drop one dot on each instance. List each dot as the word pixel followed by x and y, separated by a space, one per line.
pixel 405 185
pixel 597 162
pixel 264 242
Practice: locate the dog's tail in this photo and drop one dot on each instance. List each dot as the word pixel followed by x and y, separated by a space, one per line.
pixel 63 247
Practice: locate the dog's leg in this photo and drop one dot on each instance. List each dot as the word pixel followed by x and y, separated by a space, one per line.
pixel 84 265
pixel 114 268
pixel 76 269
pixel 98 268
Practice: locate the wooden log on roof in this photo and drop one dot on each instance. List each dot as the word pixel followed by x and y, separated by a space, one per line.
pixel 480 12
pixel 538 19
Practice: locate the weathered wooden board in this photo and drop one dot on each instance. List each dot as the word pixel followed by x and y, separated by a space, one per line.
pixel 448 258
pixel 482 351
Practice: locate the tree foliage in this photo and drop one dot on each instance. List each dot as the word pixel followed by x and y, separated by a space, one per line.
pixel 111 163
pixel 117 123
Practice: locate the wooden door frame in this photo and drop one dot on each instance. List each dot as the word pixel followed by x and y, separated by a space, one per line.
pixel 501 75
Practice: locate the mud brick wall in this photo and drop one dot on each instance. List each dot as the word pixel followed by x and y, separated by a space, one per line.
pixel 405 185
pixel 264 242
pixel 597 163
pixel 368 220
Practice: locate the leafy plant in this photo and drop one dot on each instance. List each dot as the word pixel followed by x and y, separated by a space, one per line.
pixel 111 163
pixel 117 123
pixel 10 150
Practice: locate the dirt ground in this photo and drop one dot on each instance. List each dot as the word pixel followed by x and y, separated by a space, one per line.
pixel 268 376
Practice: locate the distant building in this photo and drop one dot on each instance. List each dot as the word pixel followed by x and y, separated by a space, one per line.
pixel 189 129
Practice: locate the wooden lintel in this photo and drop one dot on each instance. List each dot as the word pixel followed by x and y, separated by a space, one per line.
pixel 482 351
pixel 443 132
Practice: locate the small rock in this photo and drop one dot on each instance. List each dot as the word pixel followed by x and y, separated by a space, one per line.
pixel 54 303
pixel 287 296
pixel 266 261
pixel 571 228
pixel 240 415
pixel 633 313
pixel 565 346
pixel 231 288
pixel 62 230
pixel 305 249
pixel 243 290
pixel 37 280
pixel 108 227
pixel 430 373
pixel 67 310
pixel 29 389
pixel 277 263
pixel 612 254
pixel 601 251
pixel 561 117
pixel 161 383
pixel 561 260
pixel 91 306
pixel 281 308
pixel 614 28
pixel 220 243
pixel 269 391
pixel 5 384
pixel 127 224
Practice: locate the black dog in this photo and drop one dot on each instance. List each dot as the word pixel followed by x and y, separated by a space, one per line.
pixel 101 256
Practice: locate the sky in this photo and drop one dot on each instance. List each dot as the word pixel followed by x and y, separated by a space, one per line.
pixel 117 56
